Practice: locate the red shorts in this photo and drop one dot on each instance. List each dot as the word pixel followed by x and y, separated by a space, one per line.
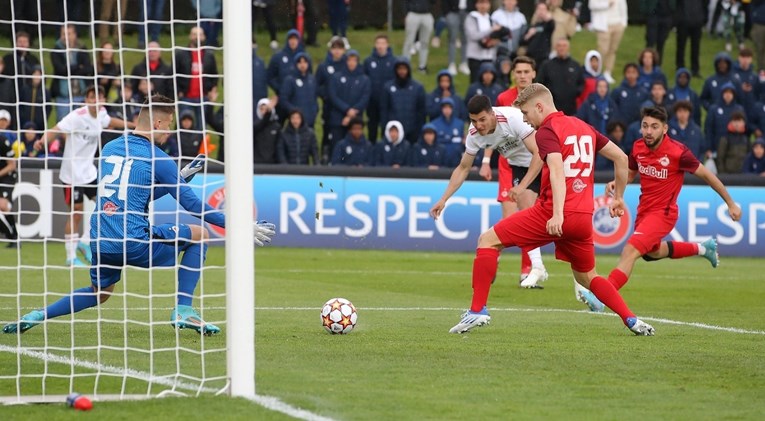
pixel 505 180
pixel 650 230
pixel 528 229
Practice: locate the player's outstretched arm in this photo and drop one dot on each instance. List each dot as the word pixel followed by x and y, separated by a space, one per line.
pixel 167 175
pixel 733 209
pixel 455 181
pixel 42 142
pixel 558 186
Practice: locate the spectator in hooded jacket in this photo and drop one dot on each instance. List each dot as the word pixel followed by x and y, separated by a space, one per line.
pixel 444 89
pixel 297 143
pixel 710 93
pixel 755 160
pixel 426 153
pixel 733 146
pixel 689 17
pixel 450 129
pixel 599 109
pixel 485 84
pixel 379 67
pixel 354 149
pixel 563 76
pixel 403 99
pixel 658 96
pixel 629 96
pixel 682 92
pixel 685 130
pixel 393 150
pixel 282 63
pixel 649 68
pixel 718 117
pixel 299 91
pixel 265 133
pixel 187 138
pixel 593 69
pixel 333 64
pixel 348 96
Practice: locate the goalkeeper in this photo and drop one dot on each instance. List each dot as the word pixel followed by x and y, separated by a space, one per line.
pixel 133 171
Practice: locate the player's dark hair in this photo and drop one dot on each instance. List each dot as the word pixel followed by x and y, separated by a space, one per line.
pixel 524 60
pixel 682 105
pixel 631 65
pixel 657 112
pixel 479 103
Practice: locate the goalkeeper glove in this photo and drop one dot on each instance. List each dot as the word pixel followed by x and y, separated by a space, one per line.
pixel 264 230
pixel 193 167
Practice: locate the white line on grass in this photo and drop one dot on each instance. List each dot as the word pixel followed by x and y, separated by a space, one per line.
pixel 268 402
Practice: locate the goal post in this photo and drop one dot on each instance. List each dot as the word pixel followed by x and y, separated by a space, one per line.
pixel 125 348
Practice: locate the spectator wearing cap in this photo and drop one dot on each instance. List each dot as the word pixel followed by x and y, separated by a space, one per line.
pixel 485 84
pixel 5 126
pixel 450 129
pixel 718 117
pixel 682 91
pixel 282 63
pixel 403 99
pixel 755 160
pixel 299 91
pixel 354 149
pixel 297 143
pixel 629 96
pixel 426 153
pixel 710 92
pixel 379 67
pixel 393 150
pixel 444 89
pixel 685 130
pixel 332 64
pixel 349 92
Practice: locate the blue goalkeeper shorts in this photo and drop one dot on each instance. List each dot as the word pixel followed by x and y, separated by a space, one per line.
pixel 168 241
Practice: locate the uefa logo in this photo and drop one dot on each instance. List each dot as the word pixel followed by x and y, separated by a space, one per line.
pixel 608 232
pixel 217 200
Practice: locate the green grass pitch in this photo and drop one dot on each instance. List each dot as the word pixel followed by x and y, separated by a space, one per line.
pixel 541 357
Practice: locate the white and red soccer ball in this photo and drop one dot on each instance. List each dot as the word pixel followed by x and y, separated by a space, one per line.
pixel 338 316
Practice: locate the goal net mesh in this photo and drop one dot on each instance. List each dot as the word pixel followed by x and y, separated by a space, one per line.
pixel 126 346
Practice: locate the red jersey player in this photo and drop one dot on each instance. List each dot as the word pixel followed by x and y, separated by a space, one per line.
pixel 563 213
pixel 523 70
pixel 662 163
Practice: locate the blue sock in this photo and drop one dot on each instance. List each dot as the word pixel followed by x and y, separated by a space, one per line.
pixel 188 274
pixel 73 303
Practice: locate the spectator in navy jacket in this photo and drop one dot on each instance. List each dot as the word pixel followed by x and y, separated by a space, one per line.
pixel 298 91
pixel 259 77
pixel 297 143
pixel 332 64
pixel 379 67
pixel 658 96
pixel 450 129
pixel 710 93
pixel 718 116
pixel 682 92
pixel 755 160
pixel 403 99
pixel 348 96
pixel 599 109
pixel 393 150
pixel 648 67
pixel 485 84
pixel 282 63
pixel 685 130
pixel 629 96
pixel 746 80
pixel 427 153
pixel 354 150
pixel 444 89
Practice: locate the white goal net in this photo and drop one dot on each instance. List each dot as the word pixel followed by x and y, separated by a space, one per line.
pixel 124 348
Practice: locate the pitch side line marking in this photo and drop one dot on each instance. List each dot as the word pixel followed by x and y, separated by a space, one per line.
pixel 455 309
pixel 268 402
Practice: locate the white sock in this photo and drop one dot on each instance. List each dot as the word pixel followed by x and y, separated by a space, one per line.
pixel 70 242
pixel 702 250
pixel 536 258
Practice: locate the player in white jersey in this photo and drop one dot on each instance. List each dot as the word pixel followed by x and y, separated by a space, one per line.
pixel 503 130
pixel 82 128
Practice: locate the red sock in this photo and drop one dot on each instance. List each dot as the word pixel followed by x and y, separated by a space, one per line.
pixel 617 278
pixel 484 271
pixel 682 249
pixel 525 260
pixel 605 292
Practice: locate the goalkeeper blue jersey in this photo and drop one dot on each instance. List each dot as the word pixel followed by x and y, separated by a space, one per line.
pixel 132 173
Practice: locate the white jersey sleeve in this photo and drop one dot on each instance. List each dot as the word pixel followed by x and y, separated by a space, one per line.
pixel 104 118
pixel 69 123
pixel 514 120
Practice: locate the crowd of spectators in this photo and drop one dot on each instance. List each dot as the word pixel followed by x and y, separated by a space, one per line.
pixel 374 113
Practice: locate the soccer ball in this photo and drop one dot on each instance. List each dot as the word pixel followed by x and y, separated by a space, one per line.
pixel 338 315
